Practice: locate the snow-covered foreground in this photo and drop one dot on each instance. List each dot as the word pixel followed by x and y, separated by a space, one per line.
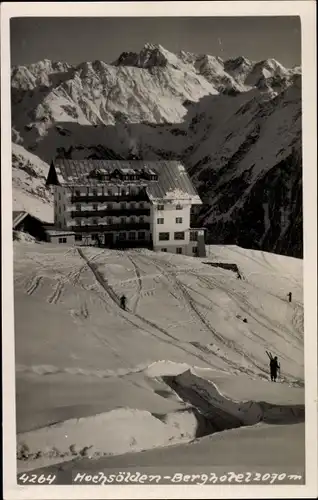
pixel 186 360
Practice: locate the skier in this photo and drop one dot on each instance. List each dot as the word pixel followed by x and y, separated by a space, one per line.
pixel 274 367
pixel 123 302
pixel 289 296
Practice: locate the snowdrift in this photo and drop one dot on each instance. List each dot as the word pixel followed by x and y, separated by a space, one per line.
pixel 125 430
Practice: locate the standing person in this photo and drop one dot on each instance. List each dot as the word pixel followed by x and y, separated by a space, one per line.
pixel 274 367
pixel 289 297
pixel 123 301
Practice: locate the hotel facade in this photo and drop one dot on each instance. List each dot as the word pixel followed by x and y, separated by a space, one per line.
pixel 122 204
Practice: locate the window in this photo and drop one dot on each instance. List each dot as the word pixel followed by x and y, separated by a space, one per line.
pixel 109 192
pixel 179 250
pixel 78 208
pixel 95 206
pixel 132 206
pixel 109 220
pixel 132 236
pixel 179 235
pixel 179 207
pixel 95 222
pixel 194 236
pixel 94 192
pixel 78 237
pixel 141 219
pixel 160 220
pixel 62 240
pixel 163 249
pixel 164 236
pixel 122 236
pixel 123 220
pixel 141 235
pixel 123 206
pixel 141 205
pixel 78 222
pixel 178 220
pixel 123 192
pixel 161 207
pixel 133 220
pixel 195 250
pixel 77 193
pixel 109 206
pixel 94 236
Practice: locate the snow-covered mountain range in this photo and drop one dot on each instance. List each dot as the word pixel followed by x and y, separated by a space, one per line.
pixel 235 124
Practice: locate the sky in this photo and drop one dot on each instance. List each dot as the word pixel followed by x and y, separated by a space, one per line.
pixel 76 40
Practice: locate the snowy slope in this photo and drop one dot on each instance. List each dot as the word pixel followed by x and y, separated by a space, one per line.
pixel 236 125
pixel 143 369
pixel 28 184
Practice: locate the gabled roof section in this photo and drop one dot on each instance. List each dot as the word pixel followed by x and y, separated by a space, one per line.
pixel 17 217
pixel 172 183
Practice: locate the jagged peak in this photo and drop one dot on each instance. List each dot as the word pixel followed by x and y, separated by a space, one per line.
pixel 271 64
pixel 153 46
pixel 238 61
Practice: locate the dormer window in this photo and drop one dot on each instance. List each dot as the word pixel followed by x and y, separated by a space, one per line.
pixel 179 207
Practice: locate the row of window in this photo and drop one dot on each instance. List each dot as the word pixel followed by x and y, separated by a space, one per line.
pixel 110 220
pixel 110 206
pixel 178 235
pixel 179 250
pixel 161 220
pixel 132 236
pixel 131 191
pixel 160 208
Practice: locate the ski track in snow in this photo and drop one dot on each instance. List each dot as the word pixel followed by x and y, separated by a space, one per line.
pixel 184 295
pixel 128 317
pixel 34 284
pixel 166 269
pixel 180 291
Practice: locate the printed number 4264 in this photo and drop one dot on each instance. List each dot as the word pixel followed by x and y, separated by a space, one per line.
pixel 36 479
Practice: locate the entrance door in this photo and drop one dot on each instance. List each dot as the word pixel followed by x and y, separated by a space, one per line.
pixel 109 238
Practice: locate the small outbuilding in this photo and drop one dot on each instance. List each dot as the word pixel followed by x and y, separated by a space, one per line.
pixel 26 223
pixel 59 236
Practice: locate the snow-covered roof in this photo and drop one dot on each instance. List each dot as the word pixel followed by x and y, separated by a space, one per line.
pixel 55 231
pixel 172 182
pixel 17 217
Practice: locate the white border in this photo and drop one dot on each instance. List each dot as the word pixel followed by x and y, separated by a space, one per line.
pixel 307 10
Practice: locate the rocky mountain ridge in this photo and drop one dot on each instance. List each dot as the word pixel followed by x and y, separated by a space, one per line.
pixel 235 124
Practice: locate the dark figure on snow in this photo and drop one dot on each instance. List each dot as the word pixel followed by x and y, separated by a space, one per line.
pixel 289 297
pixel 123 301
pixel 273 365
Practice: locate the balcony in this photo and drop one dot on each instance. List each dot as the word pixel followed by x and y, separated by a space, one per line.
pixel 111 212
pixel 83 198
pixel 103 228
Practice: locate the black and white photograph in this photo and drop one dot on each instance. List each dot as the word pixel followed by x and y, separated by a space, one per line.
pixel 155 218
